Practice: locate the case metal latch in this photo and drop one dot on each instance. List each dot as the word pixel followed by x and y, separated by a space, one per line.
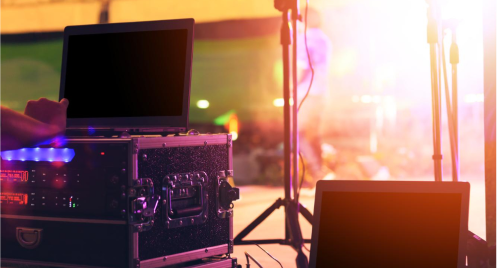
pixel 143 205
pixel 226 194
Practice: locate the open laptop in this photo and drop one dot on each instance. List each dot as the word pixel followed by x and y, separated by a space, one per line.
pixel 132 77
pixel 390 224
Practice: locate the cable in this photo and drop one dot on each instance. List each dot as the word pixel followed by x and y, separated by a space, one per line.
pixel 303 245
pixel 303 176
pixel 308 56
pixel 270 255
pixel 248 256
pixel 306 94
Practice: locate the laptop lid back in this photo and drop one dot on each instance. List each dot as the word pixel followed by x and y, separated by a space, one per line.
pixel 390 224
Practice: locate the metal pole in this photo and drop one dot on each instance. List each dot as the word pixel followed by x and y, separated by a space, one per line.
pixel 295 129
pixel 450 121
pixel 454 60
pixel 433 32
pixel 287 168
pixel 437 157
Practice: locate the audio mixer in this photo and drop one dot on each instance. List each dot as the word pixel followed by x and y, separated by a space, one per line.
pixel 87 180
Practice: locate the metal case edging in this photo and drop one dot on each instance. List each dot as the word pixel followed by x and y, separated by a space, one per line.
pixel 179 141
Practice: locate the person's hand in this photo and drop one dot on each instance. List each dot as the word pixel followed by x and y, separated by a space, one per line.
pixel 49 112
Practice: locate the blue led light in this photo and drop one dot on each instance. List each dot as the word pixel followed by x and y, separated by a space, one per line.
pixel 91 130
pixel 40 154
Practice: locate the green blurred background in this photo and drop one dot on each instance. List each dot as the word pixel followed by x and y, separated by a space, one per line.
pixel 236 74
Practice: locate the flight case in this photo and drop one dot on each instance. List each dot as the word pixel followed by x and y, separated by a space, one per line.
pixel 120 202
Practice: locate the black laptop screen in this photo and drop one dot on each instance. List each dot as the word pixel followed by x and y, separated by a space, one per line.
pixel 131 74
pixel 378 229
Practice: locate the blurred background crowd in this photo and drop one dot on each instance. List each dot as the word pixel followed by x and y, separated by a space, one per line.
pixel 372 81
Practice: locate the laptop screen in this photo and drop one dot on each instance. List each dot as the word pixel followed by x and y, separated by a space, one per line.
pixel 132 77
pixel 126 74
pixel 388 229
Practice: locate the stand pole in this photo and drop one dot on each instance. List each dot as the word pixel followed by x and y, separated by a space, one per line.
pixel 432 36
pixel 287 166
pixel 454 60
pixel 295 134
pixel 293 233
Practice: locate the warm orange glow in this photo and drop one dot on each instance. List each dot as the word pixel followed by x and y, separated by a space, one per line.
pixel 233 126
pixel 47 17
pixel 234 135
pixel 278 102
pixel 27 16
pixel 202 11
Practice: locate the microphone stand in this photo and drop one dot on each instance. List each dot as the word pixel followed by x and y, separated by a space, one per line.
pixel 432 38
pixel 454 60
pixel 293 232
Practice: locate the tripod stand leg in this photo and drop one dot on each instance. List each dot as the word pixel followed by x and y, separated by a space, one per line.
pixel 306 213
pixel 276 205
pixel 296 239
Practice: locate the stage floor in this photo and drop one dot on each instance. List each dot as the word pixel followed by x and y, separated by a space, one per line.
pixel 255 199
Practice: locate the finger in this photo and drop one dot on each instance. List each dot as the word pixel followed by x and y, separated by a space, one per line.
pixel 29 106
pixel 64 102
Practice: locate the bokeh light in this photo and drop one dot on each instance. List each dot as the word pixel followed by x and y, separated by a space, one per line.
pixel 203 104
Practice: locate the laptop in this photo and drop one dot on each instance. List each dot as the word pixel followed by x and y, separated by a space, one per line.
pixel 128 77
pixel 390 224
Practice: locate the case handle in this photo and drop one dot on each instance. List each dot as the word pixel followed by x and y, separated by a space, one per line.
pixel 29 238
